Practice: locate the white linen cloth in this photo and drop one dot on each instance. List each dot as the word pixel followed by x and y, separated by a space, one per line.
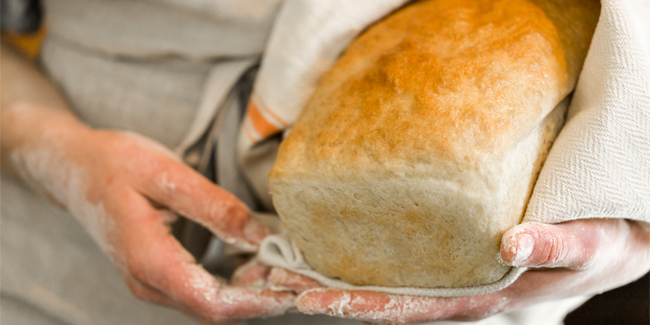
pixel 599 166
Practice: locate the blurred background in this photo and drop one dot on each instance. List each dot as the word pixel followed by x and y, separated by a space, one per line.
pixel 629 305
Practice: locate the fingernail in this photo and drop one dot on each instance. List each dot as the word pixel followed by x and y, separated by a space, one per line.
pixel 254 231
pixel 525 246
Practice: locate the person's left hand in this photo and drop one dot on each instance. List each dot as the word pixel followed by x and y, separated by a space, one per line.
pixel 576 258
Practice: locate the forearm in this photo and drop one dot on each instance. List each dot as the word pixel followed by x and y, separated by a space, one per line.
pixel 32 110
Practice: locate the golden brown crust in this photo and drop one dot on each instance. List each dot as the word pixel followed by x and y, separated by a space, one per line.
pixel 446 78
pixel 440 89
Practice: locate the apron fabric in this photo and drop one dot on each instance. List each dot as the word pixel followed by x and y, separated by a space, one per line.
pixel 164 28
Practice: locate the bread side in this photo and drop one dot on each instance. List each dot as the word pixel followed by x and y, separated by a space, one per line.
pixel 420 147
pixel 425 232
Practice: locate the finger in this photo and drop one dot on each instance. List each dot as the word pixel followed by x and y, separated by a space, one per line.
pixel 573 244
pixel 375 307
pixel 383 308
pixel 157 259
pixel 185 191
pixel 251 274
pixel 280 277
pixel 530 288
pixel 255 274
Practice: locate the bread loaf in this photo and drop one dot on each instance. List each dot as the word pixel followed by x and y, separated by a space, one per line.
pixel 420 147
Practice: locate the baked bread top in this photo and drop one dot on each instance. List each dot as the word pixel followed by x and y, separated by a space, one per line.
pixel 440 80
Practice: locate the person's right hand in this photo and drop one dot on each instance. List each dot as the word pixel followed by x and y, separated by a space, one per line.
pixel 125 190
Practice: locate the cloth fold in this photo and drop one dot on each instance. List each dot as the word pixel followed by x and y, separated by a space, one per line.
pixel 281 251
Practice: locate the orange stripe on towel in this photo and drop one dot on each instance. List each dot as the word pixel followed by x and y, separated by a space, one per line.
pixel 260 124
pixel 261 105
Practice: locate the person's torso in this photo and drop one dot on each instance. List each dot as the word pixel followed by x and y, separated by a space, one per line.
pixel 142 65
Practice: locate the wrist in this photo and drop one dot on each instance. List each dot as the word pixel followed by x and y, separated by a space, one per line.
pixel 38 142
pixel 24 121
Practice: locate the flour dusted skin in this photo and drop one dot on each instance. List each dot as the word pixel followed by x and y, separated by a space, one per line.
pixel 420 147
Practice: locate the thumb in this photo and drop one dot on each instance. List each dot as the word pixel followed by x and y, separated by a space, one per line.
pixel 573 244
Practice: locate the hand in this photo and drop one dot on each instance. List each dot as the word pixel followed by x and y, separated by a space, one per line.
pixel 125 190
pixel 580 257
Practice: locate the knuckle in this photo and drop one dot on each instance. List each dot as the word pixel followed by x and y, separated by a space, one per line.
pixel 228 214
pixel 567 249
pixel 554 247
pixel 228 208
pixel 557 249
